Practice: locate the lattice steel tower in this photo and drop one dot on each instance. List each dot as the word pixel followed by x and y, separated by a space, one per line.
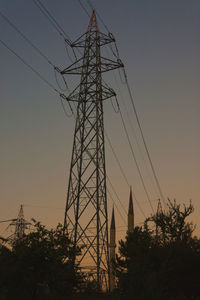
pixel 20 225
pixel 86 217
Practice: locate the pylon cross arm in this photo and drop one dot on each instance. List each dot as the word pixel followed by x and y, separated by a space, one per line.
pixel 101 40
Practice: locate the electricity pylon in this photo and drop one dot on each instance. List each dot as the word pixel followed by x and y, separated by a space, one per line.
pixel 86 218
pixel 20 224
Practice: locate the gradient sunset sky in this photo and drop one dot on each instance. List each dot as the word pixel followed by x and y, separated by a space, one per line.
pixel 159 44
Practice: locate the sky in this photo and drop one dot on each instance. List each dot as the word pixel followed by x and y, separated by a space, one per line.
pixel 159 44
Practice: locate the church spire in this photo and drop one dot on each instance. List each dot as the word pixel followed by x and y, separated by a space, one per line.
pixel 130 213
pixel 112 225
pixel 112 250
pixel 159 208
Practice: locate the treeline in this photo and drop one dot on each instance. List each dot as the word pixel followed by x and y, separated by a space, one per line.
pixel 158 261
pixel 161 260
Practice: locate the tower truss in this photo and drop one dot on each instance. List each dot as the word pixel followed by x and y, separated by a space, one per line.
pixel 86 218
pixel 20 225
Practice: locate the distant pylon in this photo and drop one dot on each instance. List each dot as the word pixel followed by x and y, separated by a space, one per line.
pixel 86 217
pixel 20 224
pixel 112 250
pixel 130 213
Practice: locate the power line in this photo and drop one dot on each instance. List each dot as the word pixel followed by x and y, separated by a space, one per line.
pixel 44 56
pixel 122 121
pixel 63 107
pixel 98 15
pixel 56 77
pixel 141 132
pixel 37 49
pixel 143 139
pixel 40 53
pixel 45 80
pixel 136 114
pixel 29 66
pixel 135 137
pixel 116 206
pixel 113 189
pixel 107 136
pixel 115 193
pixel 135 160
pixel 51 19
pixel 117 160
pixel 26 38
pixel 43 206
pixel 62 96
pixel 123 173
pixel 93 8
pixel 57 27
pixel 128 116
pixel 83 7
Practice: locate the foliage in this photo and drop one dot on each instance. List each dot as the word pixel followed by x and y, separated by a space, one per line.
pixel 39 263
pixel 171 225
pixel 162 259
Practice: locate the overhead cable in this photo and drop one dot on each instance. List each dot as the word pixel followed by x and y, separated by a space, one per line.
pixel 123 173
pixel 152 180
pixel 141 132
pixel 98 15
pixel 83 7
pixel 116 111
pixel 136 114
pixel 135 160
pixel 62 96
pixel 63 107
pixel 29 66
pixel 51 19
pixel 41 54
pixel 143 139
pixel 35 72
pixel 113 189
pixel 116 206
pixel 65 83
pixel 25 38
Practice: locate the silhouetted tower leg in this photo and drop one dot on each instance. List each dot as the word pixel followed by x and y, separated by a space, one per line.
pixel 86 207
pixel 130 213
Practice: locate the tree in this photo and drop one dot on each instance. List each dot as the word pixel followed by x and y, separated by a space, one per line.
pixel 160 260
pixel 171 225
pixel 40 262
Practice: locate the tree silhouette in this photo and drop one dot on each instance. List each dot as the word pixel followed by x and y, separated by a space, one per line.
pixel 160 260
pixel 39 264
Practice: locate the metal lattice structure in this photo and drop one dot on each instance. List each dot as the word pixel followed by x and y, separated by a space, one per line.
pixel 86 216
pixel 20 225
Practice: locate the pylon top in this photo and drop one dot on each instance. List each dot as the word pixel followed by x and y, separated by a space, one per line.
pixel 21 213
pixel 93 22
